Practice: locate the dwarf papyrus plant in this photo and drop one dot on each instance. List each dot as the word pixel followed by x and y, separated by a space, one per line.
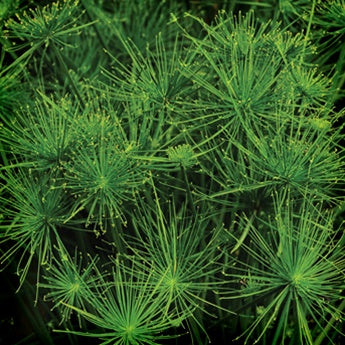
pixel 67 280
pixel 31 219
pixel 174 169
pixel 181 253
pixel 294 275
pixel 127 309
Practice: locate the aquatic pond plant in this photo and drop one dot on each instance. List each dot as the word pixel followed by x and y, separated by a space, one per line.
pixel 172 172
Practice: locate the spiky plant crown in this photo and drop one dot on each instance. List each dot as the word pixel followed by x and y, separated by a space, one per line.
pixel 173 171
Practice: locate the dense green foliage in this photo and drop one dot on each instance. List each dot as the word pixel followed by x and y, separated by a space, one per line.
pixel 172 172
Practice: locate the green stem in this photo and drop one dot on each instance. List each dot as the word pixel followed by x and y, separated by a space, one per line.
pixel 3 155
pixel 5 45
pixel 21 61
pixel 340 80
pixel 189 193
pixel 34 315
pixel 98 34
pixel 308 29
pixel 322 335
pixel 244 233
pixel 68 75
pixel 116 232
